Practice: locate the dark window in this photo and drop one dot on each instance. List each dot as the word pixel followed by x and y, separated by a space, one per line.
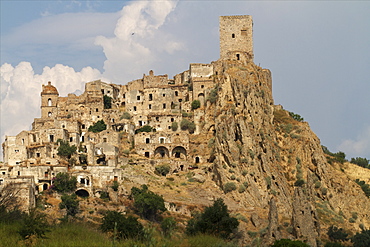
pixel 51 137
pixel 150 106
pixel 164 106
pixel 83 126
pixel 233 35
pixel 176 93
pixel 134 108
pixel 147 154
pixel 138 97
pixel 237 56
pixel 97 109
pixel 71 139
pixel 147 140
pixel 150 97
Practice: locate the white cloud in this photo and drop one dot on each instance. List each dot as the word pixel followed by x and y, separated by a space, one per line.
pixel 358 147
pixel 21 88
pixel 138 40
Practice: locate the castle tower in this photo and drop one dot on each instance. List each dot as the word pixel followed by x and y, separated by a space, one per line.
pixel 236 37
pixel 49 99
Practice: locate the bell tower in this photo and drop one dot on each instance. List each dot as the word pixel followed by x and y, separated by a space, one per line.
pixel 49 100
pixel 236 37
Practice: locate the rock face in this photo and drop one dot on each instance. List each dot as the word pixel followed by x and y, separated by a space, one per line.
pixel 213 132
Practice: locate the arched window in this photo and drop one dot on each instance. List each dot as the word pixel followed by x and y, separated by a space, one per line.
pixel 49 102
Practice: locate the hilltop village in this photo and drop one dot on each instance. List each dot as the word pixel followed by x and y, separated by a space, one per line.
pixel 151 119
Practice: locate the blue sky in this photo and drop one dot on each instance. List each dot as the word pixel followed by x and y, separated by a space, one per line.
pixel 318 52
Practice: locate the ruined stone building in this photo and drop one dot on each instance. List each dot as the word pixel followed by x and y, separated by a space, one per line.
pixel 180 133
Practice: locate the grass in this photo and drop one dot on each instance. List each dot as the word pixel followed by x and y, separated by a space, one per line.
pixel 80 235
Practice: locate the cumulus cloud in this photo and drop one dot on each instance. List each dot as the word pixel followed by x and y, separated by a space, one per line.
pixel 132 49
pixel 359 146
pixel 137 41
pixel 21 88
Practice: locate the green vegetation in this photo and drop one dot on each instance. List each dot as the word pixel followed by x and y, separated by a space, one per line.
pixel 364 186
pixel 212 97
pixel 145 128
pixel 337 157
pixel 195 104
pixel 107 102
pixel 296 117
pixel 147 203
pixel 337 234
pixel 168 225
pixel 126 115
pixel 228 187
pixel 174 126
pixel 34 223
pixel 363 162
pixel 361 239
pixel 163 169
pixel 115 186
pixel 122 227
pixel 97 127
pixel 65 150
pixel 64 183
pixel 215 220
pixel 70 203
pixel 187 125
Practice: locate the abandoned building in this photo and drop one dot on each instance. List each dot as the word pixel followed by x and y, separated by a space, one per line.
pixel 152 118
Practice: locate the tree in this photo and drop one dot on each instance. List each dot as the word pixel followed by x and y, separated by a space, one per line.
pixel 147 203
pixel 363 162
pixel 125 227
pixel 65 150
pixel 337 234
pixel 34 223
pixel 296 117
pixel 195 104
pixel 361 239
pixel 168 225
pixel 212 97
pixel 289 243
pixel 70 203
pixel 187 125
pixel 107 102
pixel 64 183
pixel 145 128
pixel 215 220
pixel 98 127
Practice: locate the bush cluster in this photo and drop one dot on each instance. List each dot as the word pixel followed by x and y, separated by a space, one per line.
pixel 147 203
pixel 97 127
pixel 187 125
pixel 163 169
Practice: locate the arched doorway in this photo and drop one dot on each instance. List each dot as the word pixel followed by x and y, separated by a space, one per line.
pixel 179 152
pixel 82 193
pixel 161 151
pixel 45 187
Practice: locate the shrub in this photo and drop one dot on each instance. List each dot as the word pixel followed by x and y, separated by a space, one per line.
pixel 361 239
pixel 34 223
pixel 107 102
pixel 146 128
pixel 363 162
pixel 195 104
pixel 296 117
pixel 163 169
pixel 212 97
pixel 365 187
pixel 115 186
pixel 174 126
pixel 65 150
pixel 299 183
pixel 125 227
pixel 64 183
pixel 167 226
pixel 126 115
pixel 230 186
pixel 98 127
pixel 337 234
pixel 241 188
pixel 146 202
pixel 215 220
pixel 187 125
pixel 70 203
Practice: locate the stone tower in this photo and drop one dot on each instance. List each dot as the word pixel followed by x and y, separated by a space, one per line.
pixel 236 37
pixel 49 99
